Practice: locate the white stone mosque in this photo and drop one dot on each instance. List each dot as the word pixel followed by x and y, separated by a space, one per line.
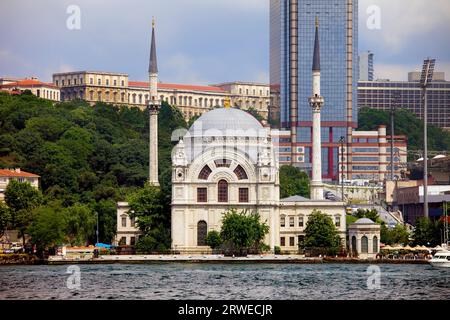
pixel 227 160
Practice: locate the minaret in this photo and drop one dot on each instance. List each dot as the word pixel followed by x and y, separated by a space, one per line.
pixel 316 101
pixel 153 105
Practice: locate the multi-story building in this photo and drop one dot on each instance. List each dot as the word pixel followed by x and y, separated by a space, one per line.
pixel 246 95
pixel 366 66
pixel 40 89
pixel 368 157
pixel 381 94
pixel 193 100
pixel 291 49
pixel 7 175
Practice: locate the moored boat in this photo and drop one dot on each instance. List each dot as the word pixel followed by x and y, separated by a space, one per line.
pixel 441 259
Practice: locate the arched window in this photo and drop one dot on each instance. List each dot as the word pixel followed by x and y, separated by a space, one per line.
pixel 202 231
pixel 204 174
pixel 375 244
pixel 353 244
pixel 240 173
pixel 222 191
pixel 364 245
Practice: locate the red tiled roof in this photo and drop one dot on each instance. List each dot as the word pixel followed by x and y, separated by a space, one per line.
pixel 13 173
pixel 141 84
pixel 28 83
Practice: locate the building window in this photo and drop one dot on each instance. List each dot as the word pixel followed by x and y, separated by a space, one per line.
pixel 291 241
pixel 202 231
pixel 222 191
pixel 291 222
pixel 62 82
pixel 243 194
pixel 337 221
pixel 202 195
pixel 300 221
pixel 282 241
pixel 56 82
pixel 354 244
pixel 115 82
pixel 375 244
pixel 132 241
pixel 99 82
pixel 204 174
pixel 364 245
pixel 75 81
pixel 123 83
pixel 124 221
pixel 91 81
pixel 123 241
pixel 282 221
pixel 240 173
pixel 222 163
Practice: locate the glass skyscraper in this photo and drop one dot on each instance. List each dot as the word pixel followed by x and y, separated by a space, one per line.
pixel 292 27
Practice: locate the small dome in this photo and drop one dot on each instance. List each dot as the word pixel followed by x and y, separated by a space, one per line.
pixel 364 221
pixel 227 122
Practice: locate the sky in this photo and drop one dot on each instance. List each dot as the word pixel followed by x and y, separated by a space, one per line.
pixel 199 41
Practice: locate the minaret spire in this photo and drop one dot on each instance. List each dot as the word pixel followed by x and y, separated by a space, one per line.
pixel 316 101
pixel 316 57
pixel 153 64
pixel 153 105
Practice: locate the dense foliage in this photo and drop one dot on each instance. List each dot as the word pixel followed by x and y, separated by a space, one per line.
pixel 427 232
pixel 293 182
pixel 406 123
pixel 88 157
pixel 242 230
pixel 321 232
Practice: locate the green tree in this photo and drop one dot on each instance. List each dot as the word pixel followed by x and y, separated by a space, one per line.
pixel 426 232
pixel 47 229
pixel 146 206
pixel 397 235
pixel 213 239
pixel 80 224
pixel 293 182
pixel 242 230
pixel 5 218
pixel 371 214
pixel 320 232
pixel 255 114
pixel 22 199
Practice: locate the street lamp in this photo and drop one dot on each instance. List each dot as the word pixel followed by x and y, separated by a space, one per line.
pixel 342 141
pixel 97 228
pixel 425 79
pixel 393 108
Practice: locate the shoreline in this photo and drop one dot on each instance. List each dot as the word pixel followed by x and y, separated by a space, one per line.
pixel 198 259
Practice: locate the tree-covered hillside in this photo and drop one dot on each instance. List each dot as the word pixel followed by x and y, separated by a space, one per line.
pixel 85 155
pixel 406 123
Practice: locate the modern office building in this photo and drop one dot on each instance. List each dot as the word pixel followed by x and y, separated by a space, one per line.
pixel 380 95
pixel 368 157
pixel 193 100
pixel 291 49
pixel 366 66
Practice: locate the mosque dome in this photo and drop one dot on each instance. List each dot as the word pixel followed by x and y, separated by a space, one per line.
pixel 227 122
pixel 364 221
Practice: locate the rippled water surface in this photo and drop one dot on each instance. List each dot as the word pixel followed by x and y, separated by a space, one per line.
pixel 226 281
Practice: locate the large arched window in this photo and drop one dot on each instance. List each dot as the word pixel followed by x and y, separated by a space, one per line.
pixel 375 244
pixel 364 244
pixel 204 174
pixel 240 173
pixel 202 231
pixel 353 244
pixel 222 191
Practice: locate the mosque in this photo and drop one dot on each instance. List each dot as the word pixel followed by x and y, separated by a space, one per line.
pixel 227 159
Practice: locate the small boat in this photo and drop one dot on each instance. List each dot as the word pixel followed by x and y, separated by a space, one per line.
pixel 441 259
